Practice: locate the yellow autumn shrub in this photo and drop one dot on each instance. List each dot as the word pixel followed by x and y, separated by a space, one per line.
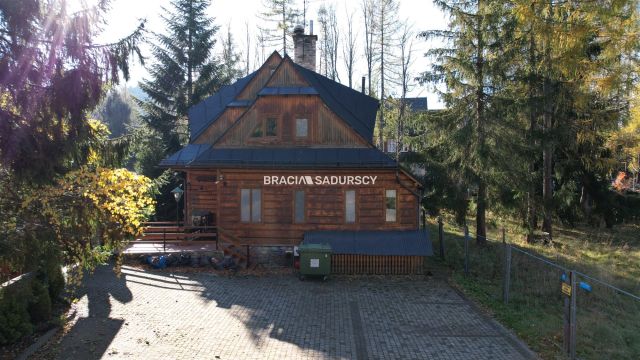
pixel 94 211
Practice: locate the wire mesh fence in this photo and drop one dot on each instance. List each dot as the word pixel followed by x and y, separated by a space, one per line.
pixel 595 319
pixel 608 320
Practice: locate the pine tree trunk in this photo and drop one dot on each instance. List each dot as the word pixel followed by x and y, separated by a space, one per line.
pixel 369 74
pixel 547 151
pixel 190 67
pixel 481 209
pixel 248 49
pixel 532 216
pixel 284 28
pixel 481 227
pixel 547 166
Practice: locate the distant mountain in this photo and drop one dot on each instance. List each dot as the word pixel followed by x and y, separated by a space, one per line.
pixel 137 93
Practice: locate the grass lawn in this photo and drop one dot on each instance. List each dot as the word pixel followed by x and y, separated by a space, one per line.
pixel 608 323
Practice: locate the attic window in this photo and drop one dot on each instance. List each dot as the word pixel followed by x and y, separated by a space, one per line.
pixel 257 131
pixel 266 128
pixel 272 127
pixel 302 128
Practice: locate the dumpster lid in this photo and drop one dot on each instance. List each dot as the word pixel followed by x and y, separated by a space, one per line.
pixel 315 246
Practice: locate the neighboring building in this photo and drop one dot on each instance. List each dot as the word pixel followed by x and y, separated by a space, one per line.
pixel 286 151
pixel 413 105
pixel 416 104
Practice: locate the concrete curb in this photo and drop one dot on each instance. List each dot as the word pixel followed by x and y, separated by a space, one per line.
pixel 28 352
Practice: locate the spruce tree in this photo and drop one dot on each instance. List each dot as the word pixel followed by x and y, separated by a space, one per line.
pixel 184 73
pixel 470 67
pixel 52 72
pixel 117 111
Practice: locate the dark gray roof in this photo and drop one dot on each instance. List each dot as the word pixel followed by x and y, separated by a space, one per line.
pixel 196 155
pixel 208 110
pixel 418 104
pixel 354 107
pixel 393 242
pixel 357 109
pixel 288 90
pixel 185 156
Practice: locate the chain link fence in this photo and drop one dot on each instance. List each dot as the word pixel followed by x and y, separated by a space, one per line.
pixel 562 310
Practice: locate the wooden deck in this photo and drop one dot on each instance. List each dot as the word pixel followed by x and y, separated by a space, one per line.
pixel 170 237
pixel 155 247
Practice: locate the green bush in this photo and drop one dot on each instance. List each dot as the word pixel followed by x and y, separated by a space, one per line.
pixel 40 303
pixel 54 278
pixel 29 301
pixel 14 317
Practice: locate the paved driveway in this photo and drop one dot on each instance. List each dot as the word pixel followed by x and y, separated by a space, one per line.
pixel 159 315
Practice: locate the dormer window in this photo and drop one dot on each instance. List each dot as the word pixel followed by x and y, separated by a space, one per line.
pixel 266 128
pixel 257 131
pixel 302 128
pixel 272 127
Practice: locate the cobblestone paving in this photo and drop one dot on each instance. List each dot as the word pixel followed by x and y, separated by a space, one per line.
pixel 159 315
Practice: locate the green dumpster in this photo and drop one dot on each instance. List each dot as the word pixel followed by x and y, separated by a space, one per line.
pixel 315 260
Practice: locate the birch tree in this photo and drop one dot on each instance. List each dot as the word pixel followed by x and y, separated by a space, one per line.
pixel 349 50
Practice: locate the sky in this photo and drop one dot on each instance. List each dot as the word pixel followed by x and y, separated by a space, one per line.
pixel 125 15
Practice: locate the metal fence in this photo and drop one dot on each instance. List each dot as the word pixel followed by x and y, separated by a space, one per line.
pixel 578 314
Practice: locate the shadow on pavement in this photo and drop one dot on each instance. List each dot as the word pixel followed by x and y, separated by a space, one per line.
pixel 92 334
pixel 343 318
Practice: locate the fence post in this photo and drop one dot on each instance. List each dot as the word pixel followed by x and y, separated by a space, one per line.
pixel 565 323
pixel 504 237
pixel 572 316
pixel 507 272
pixel 466 250
pixel 569 339
pixel 441 236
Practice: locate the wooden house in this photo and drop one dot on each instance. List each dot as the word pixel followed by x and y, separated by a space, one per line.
pixel 285 151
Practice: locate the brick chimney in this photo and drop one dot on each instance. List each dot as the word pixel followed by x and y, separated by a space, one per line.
pixel 304 52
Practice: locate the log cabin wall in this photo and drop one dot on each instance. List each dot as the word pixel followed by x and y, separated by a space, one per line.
pixel 200 193
pixel 260 79
pixel 286 75
pixel 325 129
pixel 324 204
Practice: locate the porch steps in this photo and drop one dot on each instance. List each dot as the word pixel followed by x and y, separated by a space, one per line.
pixel 173 234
